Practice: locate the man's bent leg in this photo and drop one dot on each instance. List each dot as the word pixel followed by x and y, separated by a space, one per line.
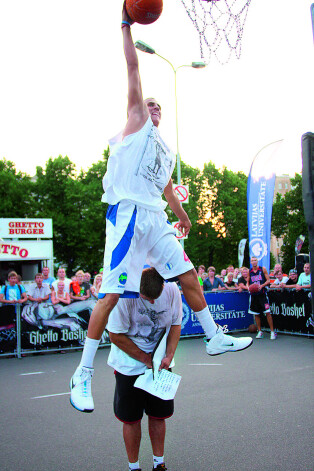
pixel 80 384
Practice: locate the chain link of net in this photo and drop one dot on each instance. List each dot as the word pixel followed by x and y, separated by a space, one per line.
pixel 220 25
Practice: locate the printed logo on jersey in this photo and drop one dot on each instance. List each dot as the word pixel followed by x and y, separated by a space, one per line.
pixel 169 266
pixel 186 258
pixel 258 248
pixel 157 161
pixel 123 278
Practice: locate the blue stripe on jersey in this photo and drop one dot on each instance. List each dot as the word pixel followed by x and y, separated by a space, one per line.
pixel 123 246
pixel 126 294
pixel 111 214
pixel 129 294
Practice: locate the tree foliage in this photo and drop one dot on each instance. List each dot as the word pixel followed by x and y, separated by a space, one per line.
pixel 16 192
pixel 288 221
pixel 217 208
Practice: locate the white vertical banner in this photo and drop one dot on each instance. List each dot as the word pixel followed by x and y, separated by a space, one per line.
pixel 241 249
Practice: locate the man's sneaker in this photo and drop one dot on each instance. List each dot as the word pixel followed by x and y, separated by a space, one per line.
pixel 260 335
pixel 81 392
pixel 222 343
pixel 273 336
pixel 161 467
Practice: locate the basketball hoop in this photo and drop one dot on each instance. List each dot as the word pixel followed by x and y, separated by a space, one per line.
pixel 220 25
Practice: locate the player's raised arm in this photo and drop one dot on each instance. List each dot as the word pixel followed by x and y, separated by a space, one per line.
pixel 137 109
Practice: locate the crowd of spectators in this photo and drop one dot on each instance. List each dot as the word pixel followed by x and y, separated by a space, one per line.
pixel 235 279
pixel 78 288
pixel 47 289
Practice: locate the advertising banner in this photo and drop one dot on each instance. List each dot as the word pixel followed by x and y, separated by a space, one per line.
pixel 26 228
pixel 298 244
pixel 8 336
pixel 229 310
pixel 241 249
pixel 26 250
pixel 46 325
pixel 260 194
pixel 291 310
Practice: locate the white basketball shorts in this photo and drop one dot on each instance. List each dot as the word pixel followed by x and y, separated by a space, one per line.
pixel 135 236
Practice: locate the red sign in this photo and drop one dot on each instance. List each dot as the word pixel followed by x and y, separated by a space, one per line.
pixel 179 234
pixel 182 192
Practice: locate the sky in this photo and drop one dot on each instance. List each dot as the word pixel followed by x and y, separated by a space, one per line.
pixel 63 83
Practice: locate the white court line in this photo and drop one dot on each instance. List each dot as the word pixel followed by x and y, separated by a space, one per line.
pixel 50 395
pixel 205 364
pixel 34 373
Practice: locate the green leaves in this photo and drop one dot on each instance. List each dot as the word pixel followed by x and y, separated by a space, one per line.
pixel 288 221
pixel 217 209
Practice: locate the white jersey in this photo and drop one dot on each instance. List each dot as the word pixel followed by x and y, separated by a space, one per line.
pixel 143 323
pixel 139 168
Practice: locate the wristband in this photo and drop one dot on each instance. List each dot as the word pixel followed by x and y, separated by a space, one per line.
pixel 125 23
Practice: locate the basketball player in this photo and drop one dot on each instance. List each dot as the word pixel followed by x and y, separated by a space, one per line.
pixel 259 302
pixel 138 173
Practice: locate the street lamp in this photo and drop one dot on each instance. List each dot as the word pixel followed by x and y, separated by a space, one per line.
pixel 141 46
pixel 196 65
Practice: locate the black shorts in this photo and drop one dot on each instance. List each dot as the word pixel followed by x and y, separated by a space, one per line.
pixel 259 304
pixel 130 403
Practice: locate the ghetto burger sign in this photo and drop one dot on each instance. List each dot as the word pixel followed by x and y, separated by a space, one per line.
pixel 26 228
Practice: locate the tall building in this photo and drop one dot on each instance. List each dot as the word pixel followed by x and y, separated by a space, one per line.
pixel 282 186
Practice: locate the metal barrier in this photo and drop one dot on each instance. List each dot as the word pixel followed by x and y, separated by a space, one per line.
pixel 32 328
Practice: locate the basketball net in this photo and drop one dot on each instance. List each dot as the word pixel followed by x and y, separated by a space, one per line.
pixel 220 25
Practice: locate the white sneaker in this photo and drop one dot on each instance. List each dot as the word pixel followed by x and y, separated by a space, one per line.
pixel 81 391
pixel 273 336
pixel 260 335
pixel 222 343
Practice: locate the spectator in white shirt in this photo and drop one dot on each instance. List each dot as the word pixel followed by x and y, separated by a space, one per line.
pixel 39 292
pixel 61 274
pixel 280 280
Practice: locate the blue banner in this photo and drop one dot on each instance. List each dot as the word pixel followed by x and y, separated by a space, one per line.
pixel 228 309
pixel 260 194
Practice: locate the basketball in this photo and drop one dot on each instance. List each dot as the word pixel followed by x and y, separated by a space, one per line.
pixel 254 288
pixel 144 11
pixel 252 328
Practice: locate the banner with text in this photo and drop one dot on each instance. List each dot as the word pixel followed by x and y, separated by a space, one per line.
pixel 260 194
pixel 291 310
pixel 228 309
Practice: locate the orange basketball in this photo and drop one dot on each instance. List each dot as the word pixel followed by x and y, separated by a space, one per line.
pixel 144 11
pixel 252 328
pixel 254 288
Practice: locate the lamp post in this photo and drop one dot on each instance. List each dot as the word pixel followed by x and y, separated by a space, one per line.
pixel 196 65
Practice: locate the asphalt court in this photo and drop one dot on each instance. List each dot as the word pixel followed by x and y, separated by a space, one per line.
pixel 250 410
